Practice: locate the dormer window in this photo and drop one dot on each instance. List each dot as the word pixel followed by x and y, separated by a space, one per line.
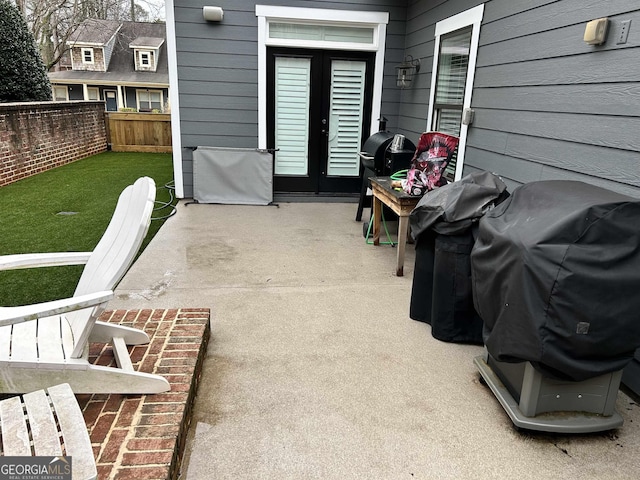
pixel 146 51
pixel 87 55
pixel 145 59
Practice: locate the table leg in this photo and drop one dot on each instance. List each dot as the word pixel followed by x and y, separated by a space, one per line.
pixel 403 230
pixel 377 214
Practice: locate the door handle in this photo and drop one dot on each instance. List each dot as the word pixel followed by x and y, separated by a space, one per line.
pixel 324 129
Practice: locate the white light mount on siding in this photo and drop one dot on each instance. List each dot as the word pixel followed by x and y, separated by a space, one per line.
pixel 595 33
pixel 406 70
pixel 212 14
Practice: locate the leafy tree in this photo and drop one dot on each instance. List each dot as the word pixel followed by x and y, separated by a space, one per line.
pixel 23 76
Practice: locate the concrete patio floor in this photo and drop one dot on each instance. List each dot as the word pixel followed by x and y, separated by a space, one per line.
pixel 315 370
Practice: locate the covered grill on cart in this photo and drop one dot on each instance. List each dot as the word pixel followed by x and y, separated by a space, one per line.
pixel 556 275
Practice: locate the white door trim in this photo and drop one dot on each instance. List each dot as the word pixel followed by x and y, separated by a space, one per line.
pixel 469 17
pixel 267 13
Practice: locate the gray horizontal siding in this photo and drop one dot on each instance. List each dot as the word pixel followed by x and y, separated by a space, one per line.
pixel 227 87
pixel 598 130
pixel 547 104
pixel 550 106
pixel 615 99
pixel 504 23
pixel 557 43
pixel 616 66
pixel 218 71
pixel 212 75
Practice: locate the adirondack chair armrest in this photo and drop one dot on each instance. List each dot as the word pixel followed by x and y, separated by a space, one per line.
pixel 33 260
pixel 26 313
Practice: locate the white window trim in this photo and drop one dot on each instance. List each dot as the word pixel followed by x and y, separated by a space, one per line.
pixel 327 45
pixel 84 60
pixel 267 13
pixel 471 17
pixel 141 54
pixel 149 91
pixel 89 89
pixel 66 92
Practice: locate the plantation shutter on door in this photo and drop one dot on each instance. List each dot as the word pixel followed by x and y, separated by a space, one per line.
pixel 292 92
pixel 346 115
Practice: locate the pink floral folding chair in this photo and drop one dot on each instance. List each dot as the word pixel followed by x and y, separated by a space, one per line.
pixel 434 152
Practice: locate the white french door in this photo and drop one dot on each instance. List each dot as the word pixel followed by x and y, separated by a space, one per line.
pixel 321 104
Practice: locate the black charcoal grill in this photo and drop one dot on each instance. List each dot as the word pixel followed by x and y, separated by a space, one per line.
pixel 378 159
pixel 374 150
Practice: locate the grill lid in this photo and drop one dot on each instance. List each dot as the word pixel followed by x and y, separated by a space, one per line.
pixel 373 150
pixel 377 143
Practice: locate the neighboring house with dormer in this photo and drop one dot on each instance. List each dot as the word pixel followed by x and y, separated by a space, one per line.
pixel 123 64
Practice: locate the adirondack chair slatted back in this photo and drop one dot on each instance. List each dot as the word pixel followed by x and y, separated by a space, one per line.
pixel 114 253
pixel 47 423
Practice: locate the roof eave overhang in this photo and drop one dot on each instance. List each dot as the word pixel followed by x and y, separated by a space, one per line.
pixel 124 83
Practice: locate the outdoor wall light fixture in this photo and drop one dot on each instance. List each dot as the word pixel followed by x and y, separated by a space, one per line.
pixel 595 33
pixel 212 14
pixel 406 70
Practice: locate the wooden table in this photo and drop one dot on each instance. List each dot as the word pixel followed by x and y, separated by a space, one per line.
pixel 400 203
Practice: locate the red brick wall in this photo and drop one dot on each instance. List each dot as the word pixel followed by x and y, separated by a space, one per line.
pixel 35 137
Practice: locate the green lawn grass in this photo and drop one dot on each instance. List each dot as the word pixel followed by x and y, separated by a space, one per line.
pixel 68 209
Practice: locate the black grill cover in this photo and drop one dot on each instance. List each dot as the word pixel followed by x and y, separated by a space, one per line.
pixel 453 208
pixel 441 288
pixel 556 279
pixel 442 225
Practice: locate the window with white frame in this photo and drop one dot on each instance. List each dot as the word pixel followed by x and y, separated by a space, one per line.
pixel 454 63
pixel 149 100
pixel 93 93
pixel 87 55
pixel 451 79
pixel 364 36
pixel 145 58
pixel 60 93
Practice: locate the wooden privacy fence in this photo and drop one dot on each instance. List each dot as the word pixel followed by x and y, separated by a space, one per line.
pixel 139 132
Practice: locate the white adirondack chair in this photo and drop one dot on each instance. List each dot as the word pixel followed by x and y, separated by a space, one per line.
pixel 47 343
pixel 47 424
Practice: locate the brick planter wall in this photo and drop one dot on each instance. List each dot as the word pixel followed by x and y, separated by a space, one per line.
pixel 143 436
pixel 35 137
